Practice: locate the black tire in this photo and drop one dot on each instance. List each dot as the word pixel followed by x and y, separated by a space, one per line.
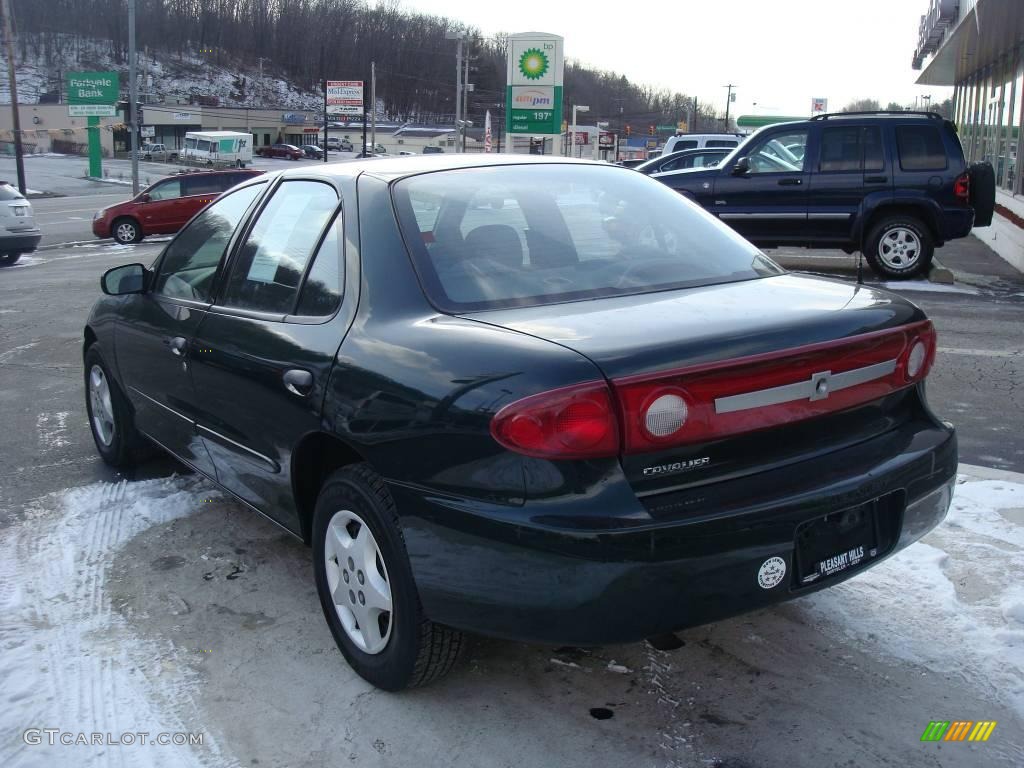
pixel 898 265
pixel 418 651
pixel 9 259
pixel 983 192
pixel 126 230
pixel 127 448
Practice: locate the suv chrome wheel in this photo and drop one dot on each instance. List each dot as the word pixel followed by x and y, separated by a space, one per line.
pixel 102 407
pixel 899 248
pixel 358 581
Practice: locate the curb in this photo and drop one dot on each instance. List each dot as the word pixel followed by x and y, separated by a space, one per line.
pixel 988 473
pixel 847 265
pixel 72 243
pixel 939 273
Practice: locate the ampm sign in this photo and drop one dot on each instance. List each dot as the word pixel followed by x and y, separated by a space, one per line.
pixel 535 70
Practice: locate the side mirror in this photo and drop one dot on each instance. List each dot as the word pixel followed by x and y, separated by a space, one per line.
pixel 742 167
pixel 130 278
pixel 144 197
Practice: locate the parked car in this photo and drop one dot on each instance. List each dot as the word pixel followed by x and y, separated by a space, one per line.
pixel 158 152
pixel 702 141
pixel 312 150
pixel 19 233
pixel 339 144
pixel 284 151
pixel 684 158
pixel 528 397
pixel 428 150
pixel 405 153
pixel 165 206
pixel 894 185
pixel 632 162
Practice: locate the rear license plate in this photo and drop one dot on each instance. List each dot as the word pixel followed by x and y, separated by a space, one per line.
pixel 830 545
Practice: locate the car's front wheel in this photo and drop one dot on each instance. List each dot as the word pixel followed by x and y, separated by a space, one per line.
pixel 9 259
pixel 126 231
pixel 366 586
pixel 899 247
pixel 110 416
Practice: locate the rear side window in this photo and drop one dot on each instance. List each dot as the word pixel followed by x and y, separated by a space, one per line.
pixel 689 144
pixel 514 236
pixel 269 265
pixel 321 293
pixel 721 143
pixel 851 148
pixel 920 148
pixel 203 184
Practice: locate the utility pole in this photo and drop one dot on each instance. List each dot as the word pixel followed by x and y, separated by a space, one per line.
pixel 133 98
pixel 362 152
pixel 15 117
pixel 458 37
pixel 728 102
pixel 323 74
pixel 466 88
pixel 373 105
pixel 693 125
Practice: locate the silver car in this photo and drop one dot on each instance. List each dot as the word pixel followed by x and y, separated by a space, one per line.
pixel 157 152
pixel 19 233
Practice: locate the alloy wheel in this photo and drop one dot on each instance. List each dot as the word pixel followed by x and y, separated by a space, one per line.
pixel 899 248
pixel 125 232
pixel 358 581
pixel 102 407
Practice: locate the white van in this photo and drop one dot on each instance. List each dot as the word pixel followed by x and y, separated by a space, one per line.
pixel 218 148
pixel 702 140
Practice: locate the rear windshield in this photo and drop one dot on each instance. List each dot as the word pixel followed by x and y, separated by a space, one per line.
pixel 523 235
pixel 7 192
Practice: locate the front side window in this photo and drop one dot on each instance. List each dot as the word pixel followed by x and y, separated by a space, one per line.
pixel 779 153
pixel 166 190
pixel 269 266
pixel 721 143
pixel 189 264
pixel 687 144
pixel 511 236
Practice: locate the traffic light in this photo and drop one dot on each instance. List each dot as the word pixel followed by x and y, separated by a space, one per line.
pixel 629 129
pixel 650 130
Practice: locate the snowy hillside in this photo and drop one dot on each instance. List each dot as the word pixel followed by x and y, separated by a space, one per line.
pixel 164 77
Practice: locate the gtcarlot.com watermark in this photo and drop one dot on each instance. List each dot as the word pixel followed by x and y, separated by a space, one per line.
pixel 55 737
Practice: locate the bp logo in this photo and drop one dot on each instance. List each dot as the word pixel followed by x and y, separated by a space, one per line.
pixel 533 63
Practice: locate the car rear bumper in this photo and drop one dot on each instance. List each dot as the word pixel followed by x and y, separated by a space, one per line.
pixel 956 223
pixel 20 242
pixel 530 581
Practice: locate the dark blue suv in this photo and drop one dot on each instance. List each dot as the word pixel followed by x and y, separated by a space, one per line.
pixel 894 185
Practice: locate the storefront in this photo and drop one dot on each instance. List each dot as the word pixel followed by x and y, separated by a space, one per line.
pixel 977 46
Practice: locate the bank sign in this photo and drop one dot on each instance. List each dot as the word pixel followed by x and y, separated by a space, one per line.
pixel 92 94
pixel 534 83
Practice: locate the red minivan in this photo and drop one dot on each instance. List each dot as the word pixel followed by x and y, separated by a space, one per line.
pixel 164 208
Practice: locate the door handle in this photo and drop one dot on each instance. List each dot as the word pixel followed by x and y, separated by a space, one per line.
pixel 876 179
pixel 298 381
pixel 790 182
pixel 178 345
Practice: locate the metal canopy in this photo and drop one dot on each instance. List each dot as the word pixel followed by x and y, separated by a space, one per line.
pixel 985 33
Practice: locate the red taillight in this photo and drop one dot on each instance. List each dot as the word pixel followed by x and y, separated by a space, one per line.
pixel 919 354
pixel 748 394
pixel 962 188
pixel 713 401
pixel 575 422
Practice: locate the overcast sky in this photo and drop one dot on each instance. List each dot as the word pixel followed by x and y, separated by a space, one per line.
pixel 779 53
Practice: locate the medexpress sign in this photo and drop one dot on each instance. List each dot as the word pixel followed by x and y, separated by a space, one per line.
pixel 92 94
pixel 534 83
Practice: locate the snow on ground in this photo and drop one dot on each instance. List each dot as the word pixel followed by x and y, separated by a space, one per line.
pixel 68 660
pixel 958 594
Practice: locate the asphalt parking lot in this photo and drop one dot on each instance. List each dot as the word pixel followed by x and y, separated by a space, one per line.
pixel 186 610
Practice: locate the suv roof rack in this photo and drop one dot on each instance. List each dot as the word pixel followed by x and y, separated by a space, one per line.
pixel 933 115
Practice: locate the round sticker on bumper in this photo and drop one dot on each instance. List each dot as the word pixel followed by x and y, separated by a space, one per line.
pixel 771 573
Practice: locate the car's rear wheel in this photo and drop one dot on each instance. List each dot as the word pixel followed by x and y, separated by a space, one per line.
pixel 126 231
pixel 9 259
pixel 110 416
pixel 366 586
pixel 899 247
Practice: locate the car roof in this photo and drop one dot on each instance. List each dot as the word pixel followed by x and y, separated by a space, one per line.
pixel 398 166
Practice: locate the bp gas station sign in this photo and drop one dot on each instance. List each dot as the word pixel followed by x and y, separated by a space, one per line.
pixel 534 84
